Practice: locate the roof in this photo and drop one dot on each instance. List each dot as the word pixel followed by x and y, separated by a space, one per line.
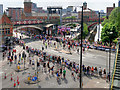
pixel 48 25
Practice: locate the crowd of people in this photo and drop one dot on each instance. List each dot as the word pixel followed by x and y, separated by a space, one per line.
pixel 74 67
pixel 43 57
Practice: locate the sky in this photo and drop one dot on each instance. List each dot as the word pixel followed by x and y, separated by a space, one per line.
pixel 92 4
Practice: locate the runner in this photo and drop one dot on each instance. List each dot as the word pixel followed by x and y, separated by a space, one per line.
pixel 64 73
pixel 52 69
pixel 61 72
pixel 57 74
pixel 78 50
pixel 44 67
pixel 48 66
pixel 72 73
pixel 15 58
pixel 3 55
pixel 78 75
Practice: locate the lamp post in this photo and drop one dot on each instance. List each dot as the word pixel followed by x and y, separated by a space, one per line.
pixel 110 56
pixel 99 28
pixel 81 46
pixel 81 50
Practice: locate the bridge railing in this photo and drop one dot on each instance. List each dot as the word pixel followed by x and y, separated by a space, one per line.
pixel 114 67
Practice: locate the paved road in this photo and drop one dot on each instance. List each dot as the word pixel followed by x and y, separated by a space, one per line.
pixel 90 57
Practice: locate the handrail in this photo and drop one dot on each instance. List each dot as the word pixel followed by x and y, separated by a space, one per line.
pixel 114 67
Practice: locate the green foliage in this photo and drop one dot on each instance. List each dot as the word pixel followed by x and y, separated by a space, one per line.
pixel 112 23
pixel 72 17
pixel 115 41
pixel 85 30
pixel 105 21
pixel 105 34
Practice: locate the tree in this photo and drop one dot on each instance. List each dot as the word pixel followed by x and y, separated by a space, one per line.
pixel 106 36
pixel 112 23
pixel 85 30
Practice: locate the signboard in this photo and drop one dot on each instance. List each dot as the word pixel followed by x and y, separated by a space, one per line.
pixel 34 78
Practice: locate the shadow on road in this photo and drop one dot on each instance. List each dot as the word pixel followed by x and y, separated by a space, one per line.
pixel 65 80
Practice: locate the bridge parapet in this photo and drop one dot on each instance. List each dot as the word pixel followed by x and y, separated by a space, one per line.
pixel 27 22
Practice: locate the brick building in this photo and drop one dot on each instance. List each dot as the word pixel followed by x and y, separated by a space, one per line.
pixel 14 13
pixel 28 14
pixel 109 9
pixel 6 27
pixel 87 13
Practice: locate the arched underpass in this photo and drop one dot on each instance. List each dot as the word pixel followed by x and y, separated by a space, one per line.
pixel 30 28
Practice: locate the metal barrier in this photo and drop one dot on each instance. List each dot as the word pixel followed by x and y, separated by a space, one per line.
pixel 114 67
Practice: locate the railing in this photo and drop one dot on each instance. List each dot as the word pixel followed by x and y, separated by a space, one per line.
pixel 114 67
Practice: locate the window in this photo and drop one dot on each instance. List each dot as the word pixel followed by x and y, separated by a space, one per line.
pixel 8 31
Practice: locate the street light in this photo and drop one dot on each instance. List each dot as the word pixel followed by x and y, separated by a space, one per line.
pixel 81 47
pixel 99 28
pixel 110 55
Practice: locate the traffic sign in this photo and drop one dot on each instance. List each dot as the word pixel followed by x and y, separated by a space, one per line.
pixel 34 78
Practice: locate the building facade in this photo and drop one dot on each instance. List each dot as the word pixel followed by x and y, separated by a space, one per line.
pixel 34 7
pixel 6 27
pixel 69 8
pixel 14 13
pixel 40 14
pixel 109 9
pixel 1 9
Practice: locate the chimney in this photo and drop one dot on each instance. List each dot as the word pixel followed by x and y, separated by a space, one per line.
pixel 114 5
